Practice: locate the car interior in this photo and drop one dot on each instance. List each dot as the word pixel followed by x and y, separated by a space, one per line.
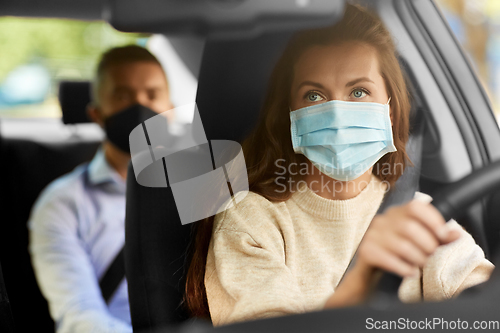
pixel 453 134
pixel 23 181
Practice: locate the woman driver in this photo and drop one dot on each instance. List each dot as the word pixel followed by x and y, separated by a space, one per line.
pixel 330 143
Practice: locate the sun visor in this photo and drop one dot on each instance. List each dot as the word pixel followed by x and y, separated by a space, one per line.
pixel 222 19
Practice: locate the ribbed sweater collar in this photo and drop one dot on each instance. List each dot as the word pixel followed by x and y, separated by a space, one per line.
pixel 361 205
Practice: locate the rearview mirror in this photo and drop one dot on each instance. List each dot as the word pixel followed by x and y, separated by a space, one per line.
pixel 225 19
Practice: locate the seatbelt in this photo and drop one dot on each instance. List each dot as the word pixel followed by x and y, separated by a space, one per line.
pixel 115 273
pixel 406 186
pixel 113 276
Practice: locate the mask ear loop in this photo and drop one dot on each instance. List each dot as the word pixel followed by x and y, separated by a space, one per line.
pixel 389 107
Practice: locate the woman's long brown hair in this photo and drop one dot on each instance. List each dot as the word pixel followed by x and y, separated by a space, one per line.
pixel 269 148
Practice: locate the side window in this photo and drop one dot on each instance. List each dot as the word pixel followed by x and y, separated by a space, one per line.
pixel 476 25
pixel 39 53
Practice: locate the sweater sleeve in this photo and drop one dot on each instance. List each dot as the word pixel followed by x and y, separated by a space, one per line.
pixel 247 276
pixel 455 267
pixel 451 269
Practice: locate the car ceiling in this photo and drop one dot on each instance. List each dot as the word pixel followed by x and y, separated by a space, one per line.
pixel 213 18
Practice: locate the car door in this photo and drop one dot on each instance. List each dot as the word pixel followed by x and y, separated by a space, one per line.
pixel 461 132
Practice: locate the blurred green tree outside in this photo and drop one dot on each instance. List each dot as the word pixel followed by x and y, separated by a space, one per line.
pixel 67 49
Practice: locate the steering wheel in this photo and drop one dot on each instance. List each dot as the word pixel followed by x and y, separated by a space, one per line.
pixel 451 202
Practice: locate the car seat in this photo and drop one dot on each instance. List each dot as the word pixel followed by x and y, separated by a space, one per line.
pixel 6 319
pixel 27 167
pixel 231 87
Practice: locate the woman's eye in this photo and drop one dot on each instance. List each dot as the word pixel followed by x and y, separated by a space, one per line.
pixel 314 97
pixel 358 93
pixel 152 95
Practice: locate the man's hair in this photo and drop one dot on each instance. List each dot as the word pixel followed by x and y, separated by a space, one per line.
pixel 119 56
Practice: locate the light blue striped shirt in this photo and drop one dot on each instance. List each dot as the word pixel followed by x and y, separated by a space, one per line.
pixel 76 230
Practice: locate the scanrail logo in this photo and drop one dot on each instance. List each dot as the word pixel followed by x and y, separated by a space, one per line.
pixel 206 177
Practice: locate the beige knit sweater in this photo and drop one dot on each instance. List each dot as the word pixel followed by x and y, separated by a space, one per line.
pixel 269 259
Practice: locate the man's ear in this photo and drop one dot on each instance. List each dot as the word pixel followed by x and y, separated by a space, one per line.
pixel 95 114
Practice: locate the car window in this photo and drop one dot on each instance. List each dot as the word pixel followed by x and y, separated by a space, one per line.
pixel 476 25
pixel 43 52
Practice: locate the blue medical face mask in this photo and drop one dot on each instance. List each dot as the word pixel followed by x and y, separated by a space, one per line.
pixel 342 139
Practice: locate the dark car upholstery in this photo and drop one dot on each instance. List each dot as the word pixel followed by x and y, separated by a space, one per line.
pixel 27 167
pixel 6 319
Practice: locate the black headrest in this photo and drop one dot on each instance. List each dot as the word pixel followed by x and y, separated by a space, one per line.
pixel 74 96
pixel 233 81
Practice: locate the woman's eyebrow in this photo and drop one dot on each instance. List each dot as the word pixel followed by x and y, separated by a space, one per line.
pixel 311 83
pixel 361 79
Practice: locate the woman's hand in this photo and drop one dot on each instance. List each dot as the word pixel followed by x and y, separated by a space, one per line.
pixel 402 239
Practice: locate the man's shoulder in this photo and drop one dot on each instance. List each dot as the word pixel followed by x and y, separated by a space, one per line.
pixel 66 187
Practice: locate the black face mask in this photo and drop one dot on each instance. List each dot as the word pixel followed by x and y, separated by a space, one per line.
pixel 119 125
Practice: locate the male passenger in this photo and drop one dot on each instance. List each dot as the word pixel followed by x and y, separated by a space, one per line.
pixel 77 223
